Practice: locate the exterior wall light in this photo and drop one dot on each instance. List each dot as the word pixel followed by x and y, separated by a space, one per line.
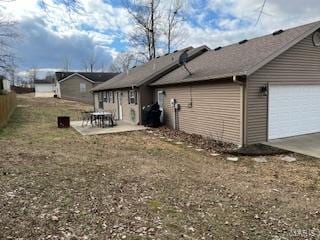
pixel 264 91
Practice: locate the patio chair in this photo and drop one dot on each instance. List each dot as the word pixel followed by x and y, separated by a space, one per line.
pixel 114 118
pixel 86 118
pixel 109 120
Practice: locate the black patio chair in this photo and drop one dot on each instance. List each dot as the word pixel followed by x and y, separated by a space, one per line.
pixel 86 118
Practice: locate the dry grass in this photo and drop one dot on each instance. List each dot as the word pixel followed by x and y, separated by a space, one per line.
pixel 56 184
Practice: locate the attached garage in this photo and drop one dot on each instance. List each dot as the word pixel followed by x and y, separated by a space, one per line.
pixel 277 78
pixel 293 110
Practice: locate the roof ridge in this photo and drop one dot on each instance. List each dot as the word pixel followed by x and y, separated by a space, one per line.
pixel 270 34
pixel 240 59
pixel 158 71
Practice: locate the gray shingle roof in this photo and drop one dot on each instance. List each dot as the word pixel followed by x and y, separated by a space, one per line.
pixel 139 75
pixel 238 59
pixel 97 77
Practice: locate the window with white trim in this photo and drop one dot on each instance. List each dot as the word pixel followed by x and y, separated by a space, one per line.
pixel 83 88
pixel 132 97
pixel 111 97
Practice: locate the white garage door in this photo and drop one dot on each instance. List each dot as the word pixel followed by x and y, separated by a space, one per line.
pixel 293 110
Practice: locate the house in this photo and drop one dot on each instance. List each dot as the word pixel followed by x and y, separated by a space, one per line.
pixel 77 86
pixel 45 88
pixel 249 92
pixel 127 93
pixel 5 84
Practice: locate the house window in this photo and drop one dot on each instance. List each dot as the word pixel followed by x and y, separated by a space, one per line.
pixel 105 96
pixel 111 97
pixel 132 97
pixel 83 87
pixel 161 98
pixel 100 99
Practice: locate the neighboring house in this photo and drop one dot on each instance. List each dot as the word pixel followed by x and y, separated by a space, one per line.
pixel 5 84
pixel 127 93
pixel 249 92
pixel 77 86
pixel 45 88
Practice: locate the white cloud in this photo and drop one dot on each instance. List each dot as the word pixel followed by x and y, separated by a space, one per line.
pixel 105 27
pixel 237 19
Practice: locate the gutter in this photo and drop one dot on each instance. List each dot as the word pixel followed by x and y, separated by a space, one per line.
pixel 235 80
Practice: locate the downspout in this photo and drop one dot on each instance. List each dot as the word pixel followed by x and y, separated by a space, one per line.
pixel 242 109
pixel 234 79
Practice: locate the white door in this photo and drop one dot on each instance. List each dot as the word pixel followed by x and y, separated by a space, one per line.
pixel 119 100
pixel 161 104
pixel 293 110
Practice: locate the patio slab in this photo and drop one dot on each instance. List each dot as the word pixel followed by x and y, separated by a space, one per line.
pixel 120 128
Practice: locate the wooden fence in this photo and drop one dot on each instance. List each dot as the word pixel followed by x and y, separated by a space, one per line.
pixel 7 105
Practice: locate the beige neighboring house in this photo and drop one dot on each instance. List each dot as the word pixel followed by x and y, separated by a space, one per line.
pixel 45 88
pixel 249 92
pixel 77 86
pixel 127 93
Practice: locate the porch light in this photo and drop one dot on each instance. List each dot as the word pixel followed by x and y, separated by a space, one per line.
pixel 162 92
pixel 264 91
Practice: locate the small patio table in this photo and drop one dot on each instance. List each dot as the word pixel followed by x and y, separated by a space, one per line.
pixel 102 117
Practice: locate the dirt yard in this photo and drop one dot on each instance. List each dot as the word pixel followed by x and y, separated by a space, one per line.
pixel 56 184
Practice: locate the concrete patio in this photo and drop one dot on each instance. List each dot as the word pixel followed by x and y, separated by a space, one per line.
pixel 119 128
pixel 305 144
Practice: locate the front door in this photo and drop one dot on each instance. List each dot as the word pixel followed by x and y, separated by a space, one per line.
pixel 119 101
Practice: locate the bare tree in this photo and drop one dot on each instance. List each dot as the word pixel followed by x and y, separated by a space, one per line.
pixel 72 6
pixel 50 76
pixel 8 34
pixel 12 75
pixel 66 63
pixel 32 75
pixel 173 23
pixel 90 62
pixel 123 62
pixel 146 17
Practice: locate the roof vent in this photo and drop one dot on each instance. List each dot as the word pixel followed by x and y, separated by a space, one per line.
pixel 218 48
pixel 277 32
pixel 243 41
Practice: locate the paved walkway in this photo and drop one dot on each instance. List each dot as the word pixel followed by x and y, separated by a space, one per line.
pixel 306 144
pixel 89 130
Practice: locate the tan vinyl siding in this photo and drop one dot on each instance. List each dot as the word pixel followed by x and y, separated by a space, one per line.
pixel 215 111
pixel 300 64
pixel 70 89
pixel 126 107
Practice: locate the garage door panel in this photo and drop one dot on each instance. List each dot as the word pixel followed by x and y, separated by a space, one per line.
pixel 293 110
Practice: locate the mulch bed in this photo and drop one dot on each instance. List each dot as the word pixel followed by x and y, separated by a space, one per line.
pixel 212 145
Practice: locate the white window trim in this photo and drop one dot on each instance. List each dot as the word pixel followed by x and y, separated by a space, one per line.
pixel 83 88
pixel 132 96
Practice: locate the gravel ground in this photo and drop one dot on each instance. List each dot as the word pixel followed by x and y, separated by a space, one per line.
pixel 56 184
pixel 212 145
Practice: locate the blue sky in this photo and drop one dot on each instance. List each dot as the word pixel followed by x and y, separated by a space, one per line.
pixel 48 37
